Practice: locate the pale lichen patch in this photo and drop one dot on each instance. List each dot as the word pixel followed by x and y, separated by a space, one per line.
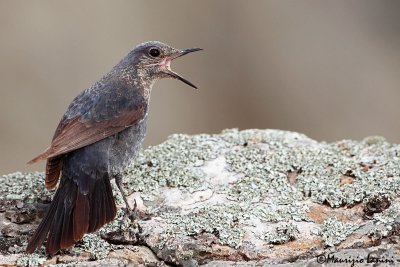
pixel 31 260
pixel 282 234
pixel 28 187
pixel 174 163
pixel 260 162
pixel 222 221
pixel 335 231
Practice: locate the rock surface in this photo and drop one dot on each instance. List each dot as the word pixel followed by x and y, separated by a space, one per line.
pixel 239 198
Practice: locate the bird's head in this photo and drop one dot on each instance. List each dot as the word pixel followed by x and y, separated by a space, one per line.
pixel 153 60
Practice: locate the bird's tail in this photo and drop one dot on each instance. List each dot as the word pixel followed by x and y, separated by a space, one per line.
pixel 72 214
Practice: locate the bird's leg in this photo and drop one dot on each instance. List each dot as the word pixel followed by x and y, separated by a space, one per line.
pixel 128 211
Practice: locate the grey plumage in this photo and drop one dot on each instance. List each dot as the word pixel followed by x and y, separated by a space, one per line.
pixel 98 136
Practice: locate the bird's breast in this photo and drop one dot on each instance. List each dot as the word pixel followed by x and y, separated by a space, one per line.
pixel 127 145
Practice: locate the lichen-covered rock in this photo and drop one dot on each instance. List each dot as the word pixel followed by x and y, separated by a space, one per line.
pixel 254 197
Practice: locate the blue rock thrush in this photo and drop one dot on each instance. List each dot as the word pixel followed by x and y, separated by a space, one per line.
pixel 98 136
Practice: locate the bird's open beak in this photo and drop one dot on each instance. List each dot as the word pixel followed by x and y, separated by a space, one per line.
pixel 166 64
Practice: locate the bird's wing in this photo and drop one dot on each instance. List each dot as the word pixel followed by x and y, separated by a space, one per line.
pixel 76 134
pixel 108 116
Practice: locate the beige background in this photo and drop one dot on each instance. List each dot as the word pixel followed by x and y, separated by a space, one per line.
pixel 329 69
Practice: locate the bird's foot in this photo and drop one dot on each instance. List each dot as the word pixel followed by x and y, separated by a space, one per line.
pixel 130 214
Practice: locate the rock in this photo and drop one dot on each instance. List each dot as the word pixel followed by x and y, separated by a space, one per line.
pixel 239 198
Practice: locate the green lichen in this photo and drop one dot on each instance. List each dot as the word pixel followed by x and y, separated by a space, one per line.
pixel 282 234
pixel 262 160
pixel 390 215
pixel 273 212
pixel 222 221
pixel 174 163
pixel 168 234
pixel 387 223
pixel 375 168
pixel 121 223
pixel 31 260
pixel 94 245
pixel 28 187
pixel 374 163
pixel 334 231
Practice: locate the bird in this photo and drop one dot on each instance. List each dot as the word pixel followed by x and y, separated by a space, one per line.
pixel 99 135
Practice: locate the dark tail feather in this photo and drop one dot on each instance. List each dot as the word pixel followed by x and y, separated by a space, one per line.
pixel 44 227
pixel 72 214
pixel 67 236
pixel 81 216
pixel 53 240
pixel 102 206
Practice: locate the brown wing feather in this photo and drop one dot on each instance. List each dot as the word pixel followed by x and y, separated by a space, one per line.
pixel 75 134
pixel 53 169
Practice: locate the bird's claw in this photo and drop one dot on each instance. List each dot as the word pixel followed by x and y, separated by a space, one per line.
pixel 131 214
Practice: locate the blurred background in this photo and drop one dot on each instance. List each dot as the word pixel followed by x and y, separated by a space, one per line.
pixel 328 69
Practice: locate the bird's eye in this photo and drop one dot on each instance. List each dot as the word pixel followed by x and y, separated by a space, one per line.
pixel 154 52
